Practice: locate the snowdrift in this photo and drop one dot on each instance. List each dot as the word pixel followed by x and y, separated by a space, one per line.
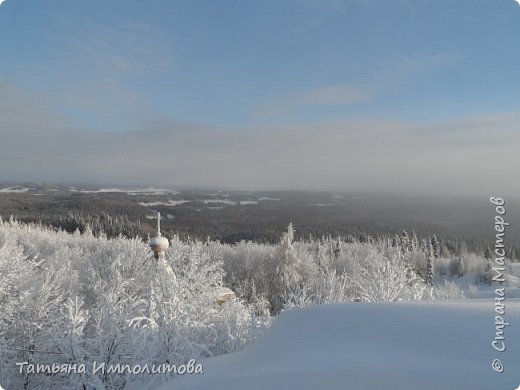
pixel 395 346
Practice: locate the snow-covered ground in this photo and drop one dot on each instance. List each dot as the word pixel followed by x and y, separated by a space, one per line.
pixel 15 189
pixel 171 203
pixel 174 203
pixel 227 202
pixel 436 345
pixel 220 201
pixel 128 191
pixel 248 202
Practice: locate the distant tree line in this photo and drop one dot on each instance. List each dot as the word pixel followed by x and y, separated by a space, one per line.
pixel 114 225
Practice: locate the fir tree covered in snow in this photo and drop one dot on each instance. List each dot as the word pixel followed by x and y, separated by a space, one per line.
pixel 430 270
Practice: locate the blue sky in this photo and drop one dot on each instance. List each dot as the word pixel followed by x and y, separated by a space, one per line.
pixel 413 96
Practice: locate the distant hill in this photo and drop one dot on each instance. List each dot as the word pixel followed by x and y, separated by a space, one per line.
pixel 262 216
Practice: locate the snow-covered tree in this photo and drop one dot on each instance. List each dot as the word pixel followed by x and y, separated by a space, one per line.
pixel 385 276
pixel 286 276
pixel 71 299
pixel 404 241
pixel 487 274
pixel 430 269
pixel 436 247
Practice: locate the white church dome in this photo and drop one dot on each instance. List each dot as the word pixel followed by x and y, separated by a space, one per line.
pixel 158 243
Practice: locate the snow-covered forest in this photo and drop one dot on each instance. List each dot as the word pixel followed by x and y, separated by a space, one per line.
pixel 78 298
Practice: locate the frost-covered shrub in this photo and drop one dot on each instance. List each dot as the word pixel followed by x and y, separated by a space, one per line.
pixel 326 270
pixel 472 290
pixel 418 261
pixel 443 266
pixel 76 299
pixel 247 269
pixel 474 264
pixel 384 275
pixel 326 288
pixel 448 290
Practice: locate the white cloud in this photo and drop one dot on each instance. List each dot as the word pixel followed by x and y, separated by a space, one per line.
pixel 326 96
pixel 126 48
pixel 333 5
pixel 96 71
pixel 472 155
pixel 392 75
